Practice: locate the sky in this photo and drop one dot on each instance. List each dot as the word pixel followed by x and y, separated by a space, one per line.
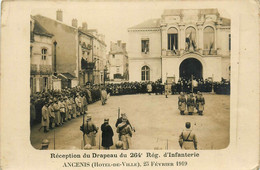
pixel 110 18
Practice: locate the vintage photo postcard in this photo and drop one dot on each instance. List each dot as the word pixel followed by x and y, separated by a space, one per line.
pixel 130 85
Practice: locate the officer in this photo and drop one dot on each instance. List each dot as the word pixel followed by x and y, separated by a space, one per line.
pixel 190 104
pixel 187 139
pixel 78 104
pixel 90 130
pixel 182 103
pixel 56 108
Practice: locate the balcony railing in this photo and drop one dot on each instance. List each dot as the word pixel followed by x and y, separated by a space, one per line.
pixel 210 52
pixel 87 65
pixel 45 69
pixel 34 69
pixel 172 53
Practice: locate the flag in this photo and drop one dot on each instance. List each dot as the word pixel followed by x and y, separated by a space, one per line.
pixel 211 46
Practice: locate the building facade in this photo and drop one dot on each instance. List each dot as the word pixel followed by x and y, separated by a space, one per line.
pixel 181 44
pixel 78 52
pixel 41 54
pixel 118 61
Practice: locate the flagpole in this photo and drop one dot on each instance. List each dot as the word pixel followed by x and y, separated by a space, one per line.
pixel 192 83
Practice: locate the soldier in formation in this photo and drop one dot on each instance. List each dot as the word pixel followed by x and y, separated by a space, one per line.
pixel 190 104
pixel 187 139
pixel 200 102
pixel 182 103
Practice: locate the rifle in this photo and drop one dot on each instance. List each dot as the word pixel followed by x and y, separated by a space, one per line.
pixel 84 142
pixel 118 115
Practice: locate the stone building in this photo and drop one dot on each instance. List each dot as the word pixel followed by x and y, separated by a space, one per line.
pixel 182 43
pixel 41 47
pixel 118 61
pixel 72 46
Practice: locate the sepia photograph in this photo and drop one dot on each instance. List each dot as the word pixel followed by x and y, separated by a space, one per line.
pixel 130 79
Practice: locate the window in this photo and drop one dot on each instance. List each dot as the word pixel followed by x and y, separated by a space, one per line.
pixel 113 55
pixel 229 42
pixel 190 38
pixel 44 54
pixel 209 38
pixel 145 73
pixel 172 39
pixel 145 46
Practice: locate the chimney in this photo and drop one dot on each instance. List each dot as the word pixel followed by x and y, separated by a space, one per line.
pixel 74 23
pixel 59 15
pixel 84 26
pixel 124 46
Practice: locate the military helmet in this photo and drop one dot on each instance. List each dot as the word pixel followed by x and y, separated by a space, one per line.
pixel 119 144
pixel 187 125
pixel 87 147
pixel 45 142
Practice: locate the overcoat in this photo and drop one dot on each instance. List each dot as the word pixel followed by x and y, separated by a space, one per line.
pixel 107 135
pixel 45 116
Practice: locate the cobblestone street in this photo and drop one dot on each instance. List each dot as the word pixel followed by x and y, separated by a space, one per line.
pixel 156 119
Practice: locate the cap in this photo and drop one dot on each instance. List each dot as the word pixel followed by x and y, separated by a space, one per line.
pixel 106 120
pixel 187 125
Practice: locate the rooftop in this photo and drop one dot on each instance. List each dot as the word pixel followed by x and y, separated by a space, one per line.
pixel 151 23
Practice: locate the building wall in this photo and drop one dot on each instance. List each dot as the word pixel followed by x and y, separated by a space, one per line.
pixel 215 65
pixel 37 79
pixel 67 44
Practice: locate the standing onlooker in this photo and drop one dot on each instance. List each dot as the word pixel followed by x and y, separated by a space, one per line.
pixel 45 117
pixel 107 134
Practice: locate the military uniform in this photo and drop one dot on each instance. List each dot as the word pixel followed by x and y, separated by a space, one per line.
pixel 103 97
pixel 182 104
pixel 45 118
pixel 190 104
pixel 125 132
pixel 90 131
pixel 51 115
pixel 200 102
pixel 56 108
pixel 187 138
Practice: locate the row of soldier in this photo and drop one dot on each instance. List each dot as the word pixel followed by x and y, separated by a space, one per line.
pixel 158 87
pixel 191 103
pixel 57 111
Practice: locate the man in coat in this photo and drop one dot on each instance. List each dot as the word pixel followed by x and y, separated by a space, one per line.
pixel 51 114
pixel 107 134
pixel 149 88
pixel 187 139
pixel 125 133
pixel 89 131
pixel 78 104
pixel 56 108
pixel 103 96
pixel 200 102
pixel 182 103
pixel 190 104
pixel 45 117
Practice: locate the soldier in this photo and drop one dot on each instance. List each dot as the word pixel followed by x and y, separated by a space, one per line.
pixel 51 114
pixel 166 88
pixel 78 104
pixel 62 111
pixel 56 108
pixel 84 104
pixel 125 133
pixel 190 104
pixel 45 117
pixel 103 96
pixel 107 134
pixel 187 139
pixel 89 131
pixel 200 102
pixel 69 108
pixel 74 107
pixel 182 103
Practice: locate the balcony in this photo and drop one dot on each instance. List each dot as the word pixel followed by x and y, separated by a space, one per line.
pixel 210 52
pixel 87 65
pixel 172 53
pixel 34 70
pixel 45 69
